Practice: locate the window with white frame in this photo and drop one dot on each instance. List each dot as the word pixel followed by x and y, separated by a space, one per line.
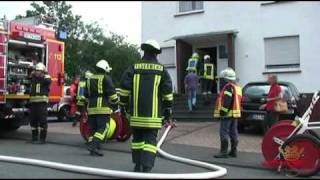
pixel 186 6
pixel 282 52
pixel 167 56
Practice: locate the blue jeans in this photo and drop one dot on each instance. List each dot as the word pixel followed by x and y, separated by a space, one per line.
pixel 192 98
pixel 228 128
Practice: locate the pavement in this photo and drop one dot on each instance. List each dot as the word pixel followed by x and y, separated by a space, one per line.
pixel 193 140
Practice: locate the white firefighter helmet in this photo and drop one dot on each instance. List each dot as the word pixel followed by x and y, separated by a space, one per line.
pixel 40 67
pixel 195 55
pixel 228 74
pixel 207 56
pixel 103 64
pixel 151 45
pixel 87 74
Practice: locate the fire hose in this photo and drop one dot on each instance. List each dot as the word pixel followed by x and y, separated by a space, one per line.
pixel 216 172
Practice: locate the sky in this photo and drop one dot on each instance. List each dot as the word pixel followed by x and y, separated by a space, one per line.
pixel 121 17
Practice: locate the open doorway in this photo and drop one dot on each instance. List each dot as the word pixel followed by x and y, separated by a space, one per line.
pixel 212 51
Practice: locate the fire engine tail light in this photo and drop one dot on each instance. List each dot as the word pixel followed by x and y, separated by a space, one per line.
pixel 60 48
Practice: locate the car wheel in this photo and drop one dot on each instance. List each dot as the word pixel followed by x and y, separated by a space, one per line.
pixel 9 126
pixel 63 114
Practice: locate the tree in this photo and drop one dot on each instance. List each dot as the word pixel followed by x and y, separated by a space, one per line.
pixel 86 43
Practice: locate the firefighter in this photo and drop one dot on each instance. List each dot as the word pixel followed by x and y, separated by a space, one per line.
pixel 207 77
pixel 81 100
pixel 150 87
pixel 193 62
pixel 73 94
pixel 228 109
pixel 40 88
pixel 102 100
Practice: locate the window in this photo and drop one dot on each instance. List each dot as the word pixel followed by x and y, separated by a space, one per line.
pixel 282 52
pixel 185 6
pixel 167 56
pixel 223 52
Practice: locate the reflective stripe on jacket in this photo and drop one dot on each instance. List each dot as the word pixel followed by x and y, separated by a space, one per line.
pixel 40 88
pixel 150 87
pixel 208 72
pixel 80 93
pixel 101 94
pixel 236 96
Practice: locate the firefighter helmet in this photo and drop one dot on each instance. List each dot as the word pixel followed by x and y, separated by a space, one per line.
pixel 206 56
pixel 195 55
pixel 103 64
pixel 151 45
pixel 40 67
pixel 228 74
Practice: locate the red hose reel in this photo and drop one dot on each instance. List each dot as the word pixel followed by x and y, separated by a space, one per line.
pixel 121 133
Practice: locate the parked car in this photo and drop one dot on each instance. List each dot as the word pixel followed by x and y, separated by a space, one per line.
pixel 62 109
pixel 255 94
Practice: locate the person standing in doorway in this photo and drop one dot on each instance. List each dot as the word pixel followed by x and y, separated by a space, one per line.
pixel 207 77
pixel 191 82
pixel 274 94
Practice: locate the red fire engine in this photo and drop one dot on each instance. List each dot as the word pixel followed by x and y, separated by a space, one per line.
pixel 19 41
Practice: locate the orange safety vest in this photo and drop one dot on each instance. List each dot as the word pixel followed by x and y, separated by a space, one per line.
pixel 236 106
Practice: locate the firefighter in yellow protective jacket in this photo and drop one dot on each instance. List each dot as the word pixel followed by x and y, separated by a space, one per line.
pixel 207 77
pixel 150 87
pixel 102 100
pixel 228 109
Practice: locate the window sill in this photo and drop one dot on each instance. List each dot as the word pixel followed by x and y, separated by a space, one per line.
pixel 188 13
pixel 282 70
pixel 169 66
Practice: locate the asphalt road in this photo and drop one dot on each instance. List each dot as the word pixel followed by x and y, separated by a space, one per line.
pixel 69 148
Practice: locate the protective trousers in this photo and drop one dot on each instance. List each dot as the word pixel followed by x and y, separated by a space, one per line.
pixel 99 130
pixel 143 146
pixel 38 118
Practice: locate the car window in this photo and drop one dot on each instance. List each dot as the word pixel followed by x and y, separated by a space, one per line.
pixel 263 90
pixel 257 90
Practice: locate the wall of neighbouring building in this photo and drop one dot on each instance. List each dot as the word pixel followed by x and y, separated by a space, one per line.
pixel 254 21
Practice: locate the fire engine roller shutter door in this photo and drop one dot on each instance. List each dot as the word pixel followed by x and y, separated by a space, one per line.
pixel 55 65
pixel 2 78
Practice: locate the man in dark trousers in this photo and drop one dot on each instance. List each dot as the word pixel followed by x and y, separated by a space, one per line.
pixel 150 87
pixel 102 100
pixel 228 110
pixel 40 88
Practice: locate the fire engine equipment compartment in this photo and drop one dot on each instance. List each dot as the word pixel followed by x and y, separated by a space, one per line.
pixel 21 62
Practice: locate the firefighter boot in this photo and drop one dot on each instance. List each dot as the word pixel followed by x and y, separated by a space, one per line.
pixel 43 136
pixel 35 134
pixel 224 150
pixel 233 152
pixel 146 169
pixel 137 168
pixel 93 148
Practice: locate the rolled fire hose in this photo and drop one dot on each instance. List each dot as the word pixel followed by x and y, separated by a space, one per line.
pixel 216 172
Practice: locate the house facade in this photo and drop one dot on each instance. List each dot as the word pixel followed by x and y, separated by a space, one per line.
pixel 254 38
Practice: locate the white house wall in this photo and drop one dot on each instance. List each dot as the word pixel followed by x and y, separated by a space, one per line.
pixel 254 22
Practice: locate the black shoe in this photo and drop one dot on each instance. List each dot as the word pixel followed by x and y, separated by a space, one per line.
pixel 35 134
pixel 92 148
pixel 137 168
pixel 43 136
pixel 147 169
pixel 96 152
pixel 221 155
pixel 233 152
pixel 223 150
